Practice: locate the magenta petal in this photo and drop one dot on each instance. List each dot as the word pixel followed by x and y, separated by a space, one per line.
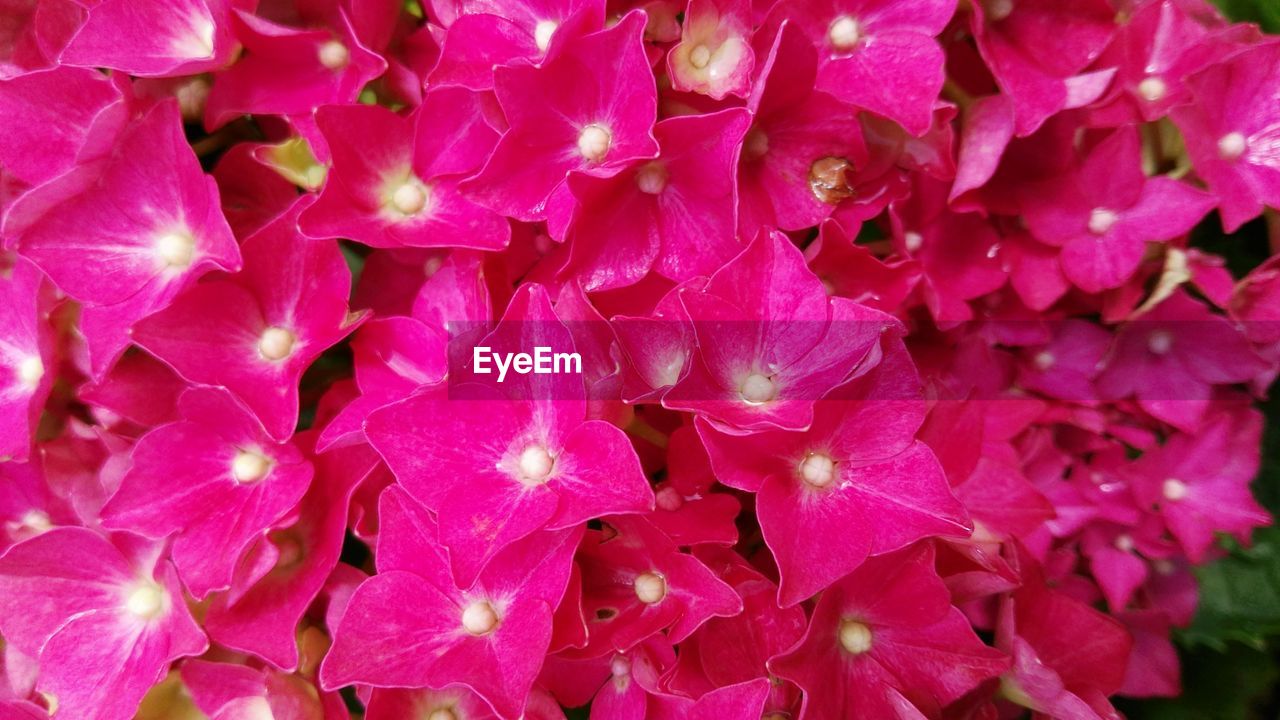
pixel 597 474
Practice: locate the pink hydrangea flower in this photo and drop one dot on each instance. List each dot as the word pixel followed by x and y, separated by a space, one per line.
pixel 489 636
pixel 256 331
pixel 554 131
pixel 214 480
pixel 886 640
pixel 120 619
pixel 394 180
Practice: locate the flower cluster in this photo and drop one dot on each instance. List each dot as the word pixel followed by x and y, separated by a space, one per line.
pixel 901 390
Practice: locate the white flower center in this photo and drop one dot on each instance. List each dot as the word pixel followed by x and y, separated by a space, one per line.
pixel 334 55
pixel 855 637
pixel 818 470
pixel 479 618
pixel 176 249
pixel 1152 89
pixel 276 343
pixel 1101 220
pixel 1044 360
pixel 30 371
pixel 410 197
pixel 913 241
pixel 1124 543
pixel 652 178
pixel 758 389
pixel 249 466
pixel 620 666
pixel 145 601
pixel 1174 490
pixel 594 142
pixel 1160 342
pixel 443 713
pixel 542 33
pixel 700 56
pixel 650 588
pixel 669 499
pixel 844 33
pixel 37 521
pixel 1232 146
pixel 535 464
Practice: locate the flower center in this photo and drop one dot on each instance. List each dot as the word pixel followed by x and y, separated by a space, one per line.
pixel 1152 89
pixel 913 241
pixel 176 249
pixel 1044 360
pixel 650 588
pixel 1232 146
pixel 249 467
pixel 535 464
pixel 1124 543
pixel 818 470
pixel 652 178
pixel 855 637
pixel 334 55
pixel 756 144
pixel 829 180
pixel 758 389
pixel 669 499
pixel 1174 490
pixel 443 713
pixel 1101 220
pixel 620 666
pixel 1160 342
pixel 36 521
pixel 542 33
pixel 479 618
pixel 594 142
pixel 411 197
pixel 145 601
pixel 30 371
pixel 276 343
pixel 700 56
pixel 844 33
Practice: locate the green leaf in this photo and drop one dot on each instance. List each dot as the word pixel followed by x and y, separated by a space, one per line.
pixel 1239 596
pixel 1264 12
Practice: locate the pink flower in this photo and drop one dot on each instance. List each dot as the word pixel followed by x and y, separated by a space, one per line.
pixel 291 71
pixel 636 583
pixel 156 38
pixel 673 214
pixel 1199 483
pixel 1171 357
pixel 215 480
pixel 589 109
pixel 856 473
pixel 539 463
pixel 394 180
pixel 126 231
pixel 799 137
pixel 878 54
pixel 255 332
pixel 1231 139
pixel 26 354
pixel 886 640
pixel 425 631
pixel 1104 212
pixel 89 606
pixel 764 364
pixel 714 55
